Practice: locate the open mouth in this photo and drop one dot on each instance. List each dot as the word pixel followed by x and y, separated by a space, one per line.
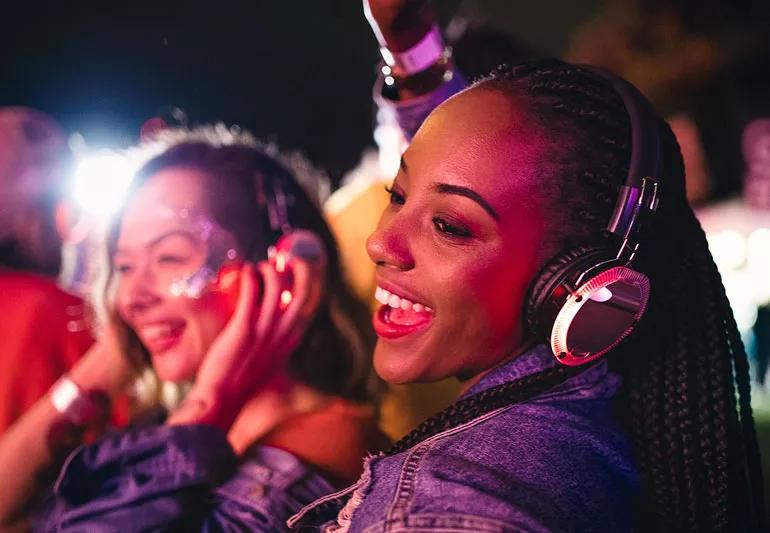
pixel 399 316
pixel 162 336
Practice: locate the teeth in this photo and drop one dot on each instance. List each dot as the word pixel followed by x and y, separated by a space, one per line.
pixel 397 302
pixel 381 295
pixel 394 301
pixel 154 332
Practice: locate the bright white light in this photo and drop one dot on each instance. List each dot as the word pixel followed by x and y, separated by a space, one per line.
pixel 602 295
pixel 728 247
pixel 101 181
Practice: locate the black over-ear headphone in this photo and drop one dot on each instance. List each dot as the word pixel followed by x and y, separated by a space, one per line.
pixel 588 298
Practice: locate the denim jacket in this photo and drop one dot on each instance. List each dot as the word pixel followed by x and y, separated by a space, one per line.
pixel 557 462
pixel 177 478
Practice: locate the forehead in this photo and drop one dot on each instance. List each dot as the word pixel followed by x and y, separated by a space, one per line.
pixel 481 139
pixel 174 198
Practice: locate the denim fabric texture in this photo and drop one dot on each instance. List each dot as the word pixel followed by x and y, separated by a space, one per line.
pixel 557 462
pixel 177 478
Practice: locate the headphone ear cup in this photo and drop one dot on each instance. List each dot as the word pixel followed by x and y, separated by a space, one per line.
pixel 601 312
pixel 554 273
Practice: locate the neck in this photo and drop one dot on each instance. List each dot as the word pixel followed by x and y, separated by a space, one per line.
pixel 510 355
pixel 280 400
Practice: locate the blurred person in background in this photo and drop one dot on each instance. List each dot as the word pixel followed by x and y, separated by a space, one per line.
pixel 704 64
pixel 44 329
pixel 223 281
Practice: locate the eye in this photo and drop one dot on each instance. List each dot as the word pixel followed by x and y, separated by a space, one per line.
pixel 395 197
pixel 449 228
pixel 122 268
pixel 170 259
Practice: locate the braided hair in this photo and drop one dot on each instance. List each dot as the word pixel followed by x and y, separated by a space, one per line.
pixel 696 447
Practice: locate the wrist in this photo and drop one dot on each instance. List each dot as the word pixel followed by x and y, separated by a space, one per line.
pixel 102 370
pixel 398 87
pixel 207 408
pixel 425 52
pixel 399 25
pixel 82 415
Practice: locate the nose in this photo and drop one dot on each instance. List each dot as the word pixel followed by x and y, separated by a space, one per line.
pixel 139 290
pixel 389 245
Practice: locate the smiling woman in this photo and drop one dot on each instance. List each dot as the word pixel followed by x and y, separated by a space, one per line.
pixel 167 233
pixel 463 229
pixel 224 278
pixel 523 205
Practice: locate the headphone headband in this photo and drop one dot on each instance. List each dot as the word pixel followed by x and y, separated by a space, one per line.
pixel 639 192
pixel 589 297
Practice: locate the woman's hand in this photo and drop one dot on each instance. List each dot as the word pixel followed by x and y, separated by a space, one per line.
pixel 255 343
pixel 103 367
pixel 399 24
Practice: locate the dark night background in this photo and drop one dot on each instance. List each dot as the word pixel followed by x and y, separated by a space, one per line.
pixel 296 72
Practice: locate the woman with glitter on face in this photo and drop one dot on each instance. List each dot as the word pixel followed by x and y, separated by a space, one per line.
pixel 504 186
pixel 224 279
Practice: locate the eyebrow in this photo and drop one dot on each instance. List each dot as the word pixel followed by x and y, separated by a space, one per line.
pixel 159 238
pixel 446 188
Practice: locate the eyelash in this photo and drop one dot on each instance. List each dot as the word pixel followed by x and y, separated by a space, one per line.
pixel 395 197
pixel 122 269
pixel 446 228
pixel 449 229
pixel 175 259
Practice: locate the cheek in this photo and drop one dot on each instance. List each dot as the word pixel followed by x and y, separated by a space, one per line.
pixel 495 287
pixel 210 312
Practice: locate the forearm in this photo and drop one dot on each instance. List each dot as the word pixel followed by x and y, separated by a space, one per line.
pixel 418 73
pixel 33 448
pixel 26 459
pixel 411 112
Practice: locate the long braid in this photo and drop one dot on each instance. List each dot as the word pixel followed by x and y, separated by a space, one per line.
pixel 696 448
pixel 484 402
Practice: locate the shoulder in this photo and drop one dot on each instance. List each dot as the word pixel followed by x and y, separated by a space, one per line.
pixel 555 464
pixel 31 288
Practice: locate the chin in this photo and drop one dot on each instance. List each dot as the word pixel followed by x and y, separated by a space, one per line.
pixel 396 367
pixel 168 367
pixel 173 375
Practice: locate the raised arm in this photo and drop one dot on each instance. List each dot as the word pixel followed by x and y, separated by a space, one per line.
pixel 185 474
pixel 33 448
pixel 418 73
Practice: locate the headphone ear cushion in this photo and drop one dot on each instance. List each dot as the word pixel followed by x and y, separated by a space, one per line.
pixel 556 271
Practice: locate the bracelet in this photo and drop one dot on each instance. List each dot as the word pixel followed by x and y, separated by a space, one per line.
pixel 64 393
pixel 82 414
pixel 419 57
pixel 80 407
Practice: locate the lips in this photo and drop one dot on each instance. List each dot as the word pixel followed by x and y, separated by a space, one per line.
pixel 161 336
pixel 398 315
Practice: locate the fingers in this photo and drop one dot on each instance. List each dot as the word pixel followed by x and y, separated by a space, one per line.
pixel 307 289
pixel 243 316
pixel 270 305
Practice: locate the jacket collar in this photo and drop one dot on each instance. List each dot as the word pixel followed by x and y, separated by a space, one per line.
pixel 540 358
